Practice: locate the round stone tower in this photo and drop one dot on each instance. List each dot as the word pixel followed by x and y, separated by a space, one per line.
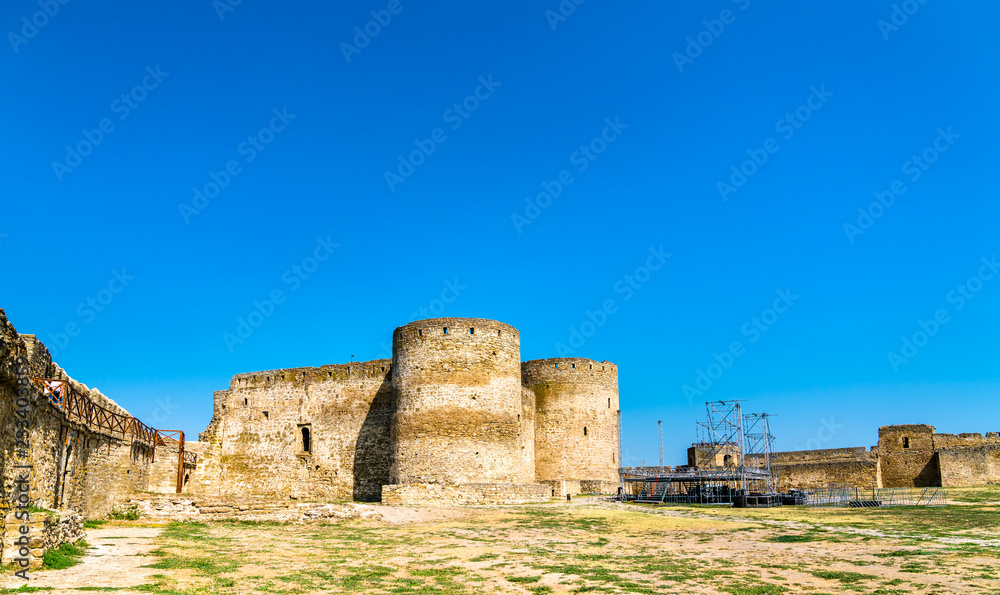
pixel 576 420
pixel 459 405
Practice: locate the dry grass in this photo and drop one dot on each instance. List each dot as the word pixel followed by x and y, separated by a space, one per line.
pixel 595 547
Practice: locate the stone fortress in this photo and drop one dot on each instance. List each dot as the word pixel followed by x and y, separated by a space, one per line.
pixel 454 416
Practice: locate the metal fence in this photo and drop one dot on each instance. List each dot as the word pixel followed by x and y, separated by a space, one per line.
pixel 854 497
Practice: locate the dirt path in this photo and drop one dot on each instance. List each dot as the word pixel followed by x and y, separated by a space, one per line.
pixel 115 559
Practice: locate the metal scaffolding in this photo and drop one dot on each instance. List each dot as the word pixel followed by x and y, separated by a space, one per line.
pixel 731 464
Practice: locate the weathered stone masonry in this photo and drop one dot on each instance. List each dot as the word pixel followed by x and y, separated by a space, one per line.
pixel 454 413
pixel 74 468
pixel 910 455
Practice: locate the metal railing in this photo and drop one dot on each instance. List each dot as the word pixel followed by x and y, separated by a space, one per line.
pixel 79 408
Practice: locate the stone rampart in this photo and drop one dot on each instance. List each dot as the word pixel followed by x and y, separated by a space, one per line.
pixel 69 465
pixel 465 494
pixel 302 432
pixel 969 466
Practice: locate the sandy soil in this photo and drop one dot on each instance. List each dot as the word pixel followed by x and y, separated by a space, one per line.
pixel 115 559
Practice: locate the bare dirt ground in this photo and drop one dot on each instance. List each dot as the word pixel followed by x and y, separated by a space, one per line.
pixel 115 559
pixel 584 546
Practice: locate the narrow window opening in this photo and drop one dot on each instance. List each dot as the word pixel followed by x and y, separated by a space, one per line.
pixel 906 443
pixel 609 403
pixel 246 401
pixel 573 366
pixel 498 333
pixel 557 366
pixel 266 416
pixel 330 373
pixel 446 330
pixel 584 430
pixel 472 331
pixel 306 440
pixel 591 366
pixel 420 332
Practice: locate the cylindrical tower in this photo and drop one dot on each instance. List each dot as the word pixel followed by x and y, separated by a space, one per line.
pixel 576 418
pixel 457 384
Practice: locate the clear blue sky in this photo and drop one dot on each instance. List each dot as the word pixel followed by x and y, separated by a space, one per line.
pixel 847 104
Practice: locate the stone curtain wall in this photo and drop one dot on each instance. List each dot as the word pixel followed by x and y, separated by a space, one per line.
pixel 572 394
pixel 465 494
pixel 808 469
pixel 969 466
pixel 255 444
pixel 910 455
pixel 73 468
pixel 457 385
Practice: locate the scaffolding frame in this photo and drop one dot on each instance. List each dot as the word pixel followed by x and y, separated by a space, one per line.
pixel 726 431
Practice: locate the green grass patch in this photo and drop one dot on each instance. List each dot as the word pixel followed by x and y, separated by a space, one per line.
pixel 64 556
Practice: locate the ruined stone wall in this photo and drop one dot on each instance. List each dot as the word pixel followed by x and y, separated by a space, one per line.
pixel 970 466
pixel 809 469
pixel 465 494
pixel 576 418
pixel 457 384
pixel 968 459
pixel 72 467
pixel 255 441
pixel 907 457
pixel 968 440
